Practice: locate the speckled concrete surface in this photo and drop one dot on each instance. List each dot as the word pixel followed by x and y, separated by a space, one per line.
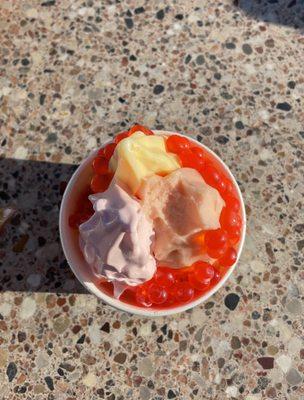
pixel 74 72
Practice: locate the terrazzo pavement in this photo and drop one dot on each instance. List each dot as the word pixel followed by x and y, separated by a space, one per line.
pixel 73 73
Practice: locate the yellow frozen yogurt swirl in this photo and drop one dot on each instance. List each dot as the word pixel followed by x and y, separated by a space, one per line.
pixel 139 156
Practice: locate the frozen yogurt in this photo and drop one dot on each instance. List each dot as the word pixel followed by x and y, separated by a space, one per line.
pixel 116 240
pixel 139 156
pixel 180 205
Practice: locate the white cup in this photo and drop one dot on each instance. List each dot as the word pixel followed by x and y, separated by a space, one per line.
pixel 69 240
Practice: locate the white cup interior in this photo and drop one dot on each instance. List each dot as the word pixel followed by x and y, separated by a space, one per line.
pixel 69 240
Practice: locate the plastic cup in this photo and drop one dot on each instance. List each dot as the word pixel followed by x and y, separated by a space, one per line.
pixel 69 240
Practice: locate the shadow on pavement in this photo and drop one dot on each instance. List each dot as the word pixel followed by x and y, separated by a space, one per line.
pixel 31 258
pixel 281 12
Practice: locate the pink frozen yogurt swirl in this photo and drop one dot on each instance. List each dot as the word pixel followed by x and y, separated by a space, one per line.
pixel 116 240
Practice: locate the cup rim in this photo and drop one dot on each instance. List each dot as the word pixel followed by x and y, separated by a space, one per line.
pixel 116 303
